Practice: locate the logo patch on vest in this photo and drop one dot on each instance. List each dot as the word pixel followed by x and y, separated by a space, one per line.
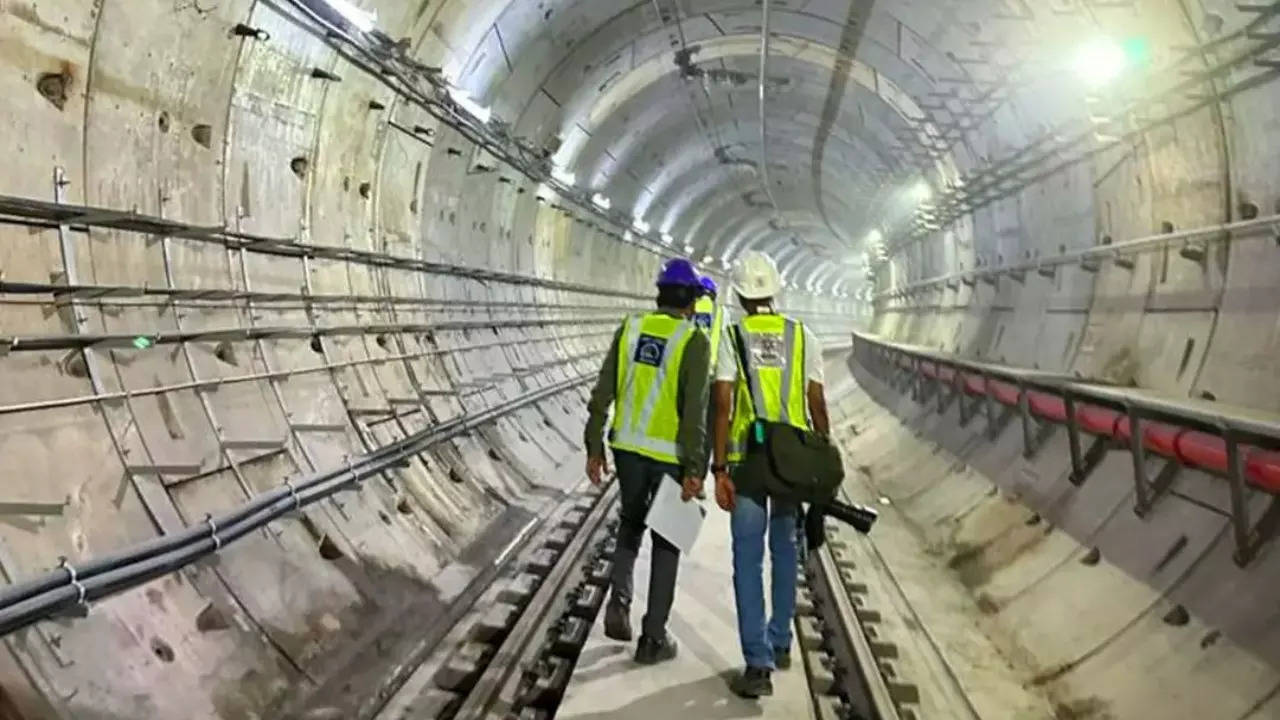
pixel 650 349
pixel 767 351
pixel 703 320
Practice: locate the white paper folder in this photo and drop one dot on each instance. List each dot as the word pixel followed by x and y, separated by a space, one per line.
pixel 674 519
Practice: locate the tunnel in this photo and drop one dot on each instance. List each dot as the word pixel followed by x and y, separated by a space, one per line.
pixel 301 303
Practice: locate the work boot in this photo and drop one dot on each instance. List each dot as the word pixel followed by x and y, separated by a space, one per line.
pixel 754 682
pixel 782 658
pixel 651 650
pixel 617 621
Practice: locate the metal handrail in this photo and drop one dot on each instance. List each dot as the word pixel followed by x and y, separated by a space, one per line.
pixel 1216 233
pixel 1188 432
pixel 1257 424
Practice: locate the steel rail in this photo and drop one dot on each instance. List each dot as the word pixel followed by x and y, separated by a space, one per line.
pixel 488 692
pixel 873 688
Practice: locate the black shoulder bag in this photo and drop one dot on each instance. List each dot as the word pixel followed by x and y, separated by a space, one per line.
pixel 805 467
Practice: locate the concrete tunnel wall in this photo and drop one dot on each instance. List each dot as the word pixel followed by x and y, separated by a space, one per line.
pixel 158 108
pixel 162 111
pixel 1109 639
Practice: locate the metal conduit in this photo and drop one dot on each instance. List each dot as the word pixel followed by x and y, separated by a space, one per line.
pixel 68 589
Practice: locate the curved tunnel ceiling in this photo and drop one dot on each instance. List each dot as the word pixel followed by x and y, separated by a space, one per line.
pixel 680 147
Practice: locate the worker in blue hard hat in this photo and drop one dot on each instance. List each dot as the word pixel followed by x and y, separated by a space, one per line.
pixel 656 378
pixel 709 315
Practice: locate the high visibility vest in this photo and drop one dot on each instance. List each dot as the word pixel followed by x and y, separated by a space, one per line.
pixel 646 417
pixel 709 316
pixel 776 383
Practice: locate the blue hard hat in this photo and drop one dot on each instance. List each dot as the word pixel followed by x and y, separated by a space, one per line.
pixel 709 285
pixel 678 272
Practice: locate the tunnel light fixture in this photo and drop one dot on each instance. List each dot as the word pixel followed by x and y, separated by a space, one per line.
pixel 641 226
pixel 363 20
pixel 688 249
pixel 667 239
pixel 921 191
pixel 602 202
pixel 874 238
pixel 1100 61
pixel 707 260
pixel 563 176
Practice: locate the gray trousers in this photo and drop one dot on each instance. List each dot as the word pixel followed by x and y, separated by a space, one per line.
pixel 638 479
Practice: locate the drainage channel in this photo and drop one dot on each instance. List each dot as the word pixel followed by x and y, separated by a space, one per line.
pixel 512 656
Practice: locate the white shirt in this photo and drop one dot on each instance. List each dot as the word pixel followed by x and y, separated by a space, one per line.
pixel 727 361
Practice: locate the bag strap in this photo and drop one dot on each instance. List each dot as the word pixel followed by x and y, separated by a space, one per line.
pixel 740 346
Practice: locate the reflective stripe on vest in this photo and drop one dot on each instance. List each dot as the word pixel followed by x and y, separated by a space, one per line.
pixel 646 417
pixel 775 351
pixel 710 317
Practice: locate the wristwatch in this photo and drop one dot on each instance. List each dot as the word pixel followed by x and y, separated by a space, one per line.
pixel 717 469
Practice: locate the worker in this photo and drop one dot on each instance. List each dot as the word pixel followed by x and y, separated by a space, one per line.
pixel 655 376
pixel 781 378
pixel 709 316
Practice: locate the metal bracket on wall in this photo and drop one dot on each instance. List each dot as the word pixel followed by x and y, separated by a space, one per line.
pixel 1034 432
pixel 1158 487
pixel 1249 538
pixel 1082 465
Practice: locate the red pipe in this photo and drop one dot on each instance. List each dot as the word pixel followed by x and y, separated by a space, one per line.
pixel 1187 446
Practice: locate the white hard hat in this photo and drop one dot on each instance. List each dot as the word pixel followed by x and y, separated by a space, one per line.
pixel 755 277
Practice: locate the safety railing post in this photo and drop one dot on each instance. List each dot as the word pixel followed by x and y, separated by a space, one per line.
pixel 1073 439
pixel 1239 508
pixel 1138 450
pixel 941 389
pixel 989 405
pixel 1028 429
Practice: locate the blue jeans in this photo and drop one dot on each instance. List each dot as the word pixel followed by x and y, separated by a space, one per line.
pixel 749 524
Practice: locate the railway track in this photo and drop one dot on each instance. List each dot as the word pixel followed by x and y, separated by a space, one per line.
pixel 513 654
pixel 874 657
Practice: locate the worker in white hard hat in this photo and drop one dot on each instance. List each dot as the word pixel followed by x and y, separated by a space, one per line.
pixel 771 372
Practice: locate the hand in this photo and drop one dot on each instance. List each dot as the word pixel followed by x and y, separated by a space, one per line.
pixel 597 467
pixel 725 492
pixel 691 488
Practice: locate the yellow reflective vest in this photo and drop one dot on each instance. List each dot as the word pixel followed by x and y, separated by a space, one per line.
pixel 646 417
pixel 774 384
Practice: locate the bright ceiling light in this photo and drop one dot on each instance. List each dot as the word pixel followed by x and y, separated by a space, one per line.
pixel 707 259
pixel 643 228
pixel 563 176
pixel 363 20
pixel 601 201
pixel 921 191
pixel 666 238
pixel 1100 61
pixel 478 111
pixel 874 237
pixel 688 249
